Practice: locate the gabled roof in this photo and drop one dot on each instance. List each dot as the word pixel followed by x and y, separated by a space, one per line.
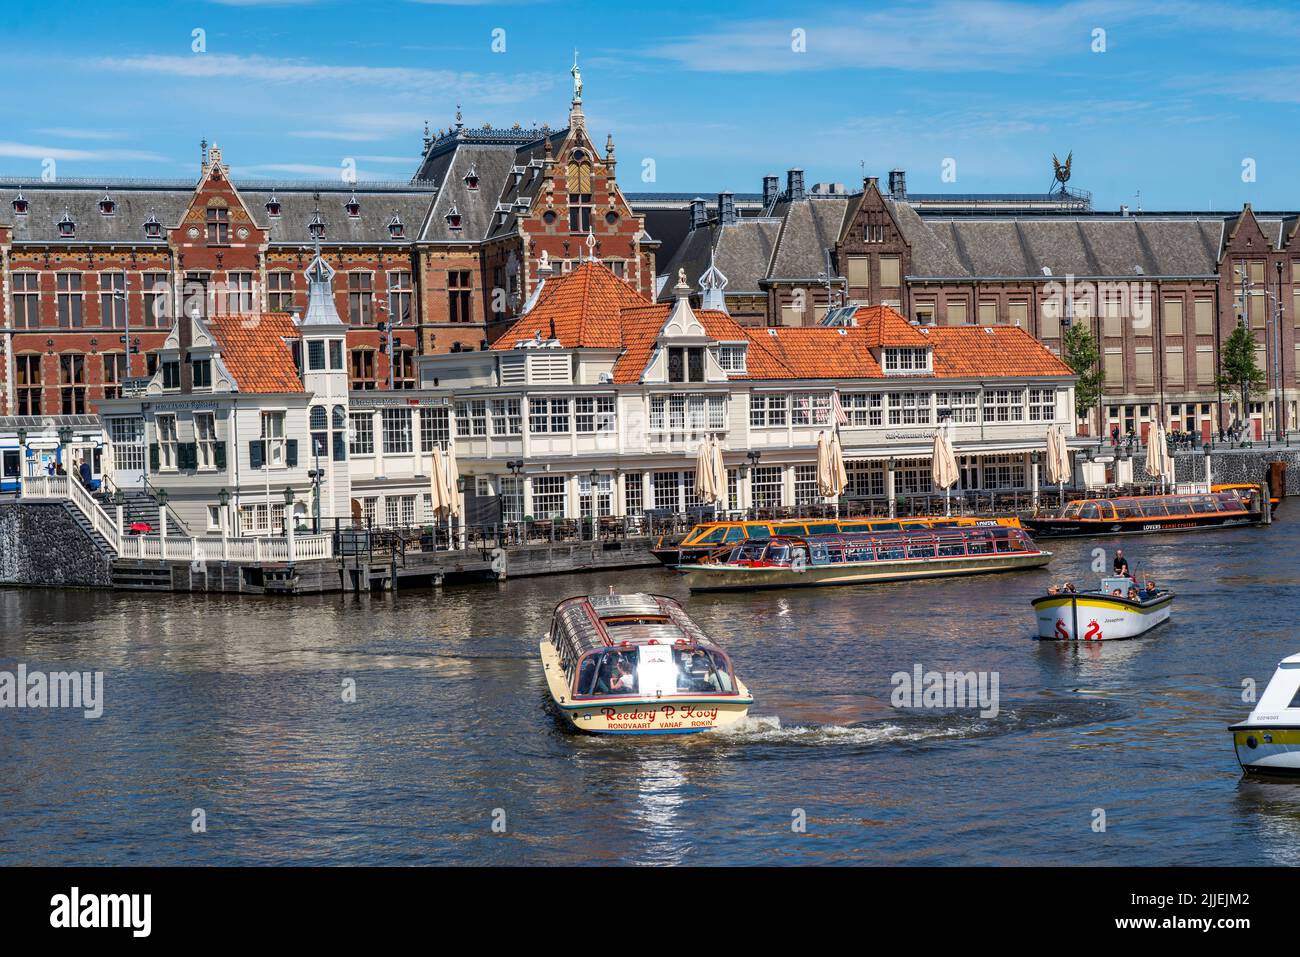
pixel 969 351
pixel 585 306
pixel 254 349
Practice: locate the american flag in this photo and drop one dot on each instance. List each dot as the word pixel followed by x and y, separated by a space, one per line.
pixel 840 417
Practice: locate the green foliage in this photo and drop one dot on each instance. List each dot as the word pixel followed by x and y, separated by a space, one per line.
pixel 1238 368
pixel 1080 353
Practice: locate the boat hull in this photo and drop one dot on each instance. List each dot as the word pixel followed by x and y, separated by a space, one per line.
pixel 635 714
pixel 1267 749
pixel 705 577
pixel 1086 617
pixel 1060 527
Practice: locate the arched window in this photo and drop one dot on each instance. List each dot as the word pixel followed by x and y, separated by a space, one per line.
pixel 578 183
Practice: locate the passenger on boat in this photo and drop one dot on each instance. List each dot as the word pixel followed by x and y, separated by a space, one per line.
pixel 1116 593
pixel 1121 563
pixel 1052 589
pixel 1068 588
pixel 1133 593
pixel 624 681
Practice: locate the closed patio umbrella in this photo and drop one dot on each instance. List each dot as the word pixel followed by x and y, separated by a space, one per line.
pixel 1156 452
pixel 704 473
pixel 453 480
pixel 838 472
pixel 825 469
pixel 720 483
pixel 438 485
pixel 943 466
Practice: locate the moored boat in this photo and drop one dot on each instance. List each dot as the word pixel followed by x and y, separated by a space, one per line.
pixel 1141 514
pixel 794 561
pixel 1268 742
pixel 637 664
pixel 708 537
pixel 1120 608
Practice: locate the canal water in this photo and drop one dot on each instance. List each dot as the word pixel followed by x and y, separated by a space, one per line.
pixel 236 706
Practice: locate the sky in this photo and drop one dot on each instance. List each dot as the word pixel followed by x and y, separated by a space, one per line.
pixel 1164 105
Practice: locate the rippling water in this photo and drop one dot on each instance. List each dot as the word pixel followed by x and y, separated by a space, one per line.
pixel 234 705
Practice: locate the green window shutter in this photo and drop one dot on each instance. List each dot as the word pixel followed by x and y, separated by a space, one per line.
pixel 190 456
pixel 291 453
pixel 153 457
pixel 256 453
pixel 340 447
pixel 219 456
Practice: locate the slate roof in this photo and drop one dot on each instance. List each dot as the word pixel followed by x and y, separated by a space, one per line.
pixel 254 350
pixel 742 252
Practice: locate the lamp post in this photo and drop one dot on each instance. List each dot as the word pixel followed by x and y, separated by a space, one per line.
pixel 315 475
pixel 889 487
pixel 288 520
pixel 119 501
pixel 516 467
pixel 1279 416
pixel 65 440
pixel 161 497
pixel 223 499
pixel 1034 458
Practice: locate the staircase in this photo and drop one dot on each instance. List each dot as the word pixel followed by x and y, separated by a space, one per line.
pixel 141 507
pixel 102 545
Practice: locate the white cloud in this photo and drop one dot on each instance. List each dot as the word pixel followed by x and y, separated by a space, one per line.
pixel 34 151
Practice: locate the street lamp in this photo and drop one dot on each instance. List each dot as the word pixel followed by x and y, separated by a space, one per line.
pixel 315 475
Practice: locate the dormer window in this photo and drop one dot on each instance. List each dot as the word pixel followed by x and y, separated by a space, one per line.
pixel 106 205
pixel 453 218
pixel 471 178
pixel 273 206
pixel 316 225
pixel 152 228
pixel 20 205
pixel 906 360
pixel 395 227
pixel 352 206
pixel 732 358
pixel 67 228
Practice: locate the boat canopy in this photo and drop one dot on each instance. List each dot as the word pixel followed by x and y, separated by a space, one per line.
pixel 882 546
pixel 1152 506
pixel 1280 701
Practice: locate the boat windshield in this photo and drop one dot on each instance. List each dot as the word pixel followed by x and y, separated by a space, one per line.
pixel 655 669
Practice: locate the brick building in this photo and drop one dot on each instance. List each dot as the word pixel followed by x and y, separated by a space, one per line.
pixel 442 263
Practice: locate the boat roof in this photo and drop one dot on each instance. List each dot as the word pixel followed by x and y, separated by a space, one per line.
pixel 604 621
pixel 904 535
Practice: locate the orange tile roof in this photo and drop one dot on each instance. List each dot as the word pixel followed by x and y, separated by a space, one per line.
pixel 254 350
pixel 592 308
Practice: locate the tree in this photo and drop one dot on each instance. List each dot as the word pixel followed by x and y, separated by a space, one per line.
pixel 1238 368
pixel 1080 353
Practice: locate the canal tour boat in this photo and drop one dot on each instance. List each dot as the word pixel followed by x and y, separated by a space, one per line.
pixel 1268 742
pixel 795 561
pixel 1120 608
pixel 708 537
pixel 636 664
pixel 1141 514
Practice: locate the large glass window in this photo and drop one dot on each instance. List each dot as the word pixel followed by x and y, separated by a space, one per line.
pixel 550 496
pixel 767 485
pixel 397 431
pixel 26 299
pixel 363 433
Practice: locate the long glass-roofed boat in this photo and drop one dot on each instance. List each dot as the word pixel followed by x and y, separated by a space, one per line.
pixel 799 561
pixel 1135 515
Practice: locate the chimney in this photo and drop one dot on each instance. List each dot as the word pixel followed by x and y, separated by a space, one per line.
pixel 871 181
pixel 897 184
pixel 699 217
pixel 771 188
pixel 794 184
pixel 726 209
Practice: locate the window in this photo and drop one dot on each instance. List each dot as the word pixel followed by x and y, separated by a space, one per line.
pixel 279 289
pixel 275 454
pixel 459 293
pixel 686 364
pixel 858 271
pixel 633 493
pixel 578 184
pixel 963 406
pixel 471 417
pixel 907 360
pixel 598 492
pixel 168 446
pixel 26 300
pixel 68 299
pixel 28 375
pixel 239 293
pixel 866 479
pixel 1042 405
pixel 512 498
pixel 889 271
pixel 805 485
pixel 114 373
pixel 201 373
pixel 909 408
pixel 196 293
pixel 360 298
pixel 399 297
pixel 768 485
pixel 1004 471
pixel 318 422
pixel 397 430
pixel 218 223
pixel 127 436
pixel 732 358
pixel 363 369
pixel 863 408
pixel 506 418
pixel 767 410
pixel 810 409
pixel 550 496
pixel 595 414
pixel 403 368
pixel 434 429
pixel 72 383
pixel 549 416
pixel 682 412
pixel 666 488
pixel 171 374
pixel 205 437
pixel 156 310
pixel 1004 405
pixel 362 428
pixel 315 355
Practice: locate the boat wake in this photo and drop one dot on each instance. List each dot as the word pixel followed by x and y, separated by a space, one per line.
pixel 920 728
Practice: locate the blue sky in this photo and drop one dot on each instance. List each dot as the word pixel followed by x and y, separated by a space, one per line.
pixel 1164 116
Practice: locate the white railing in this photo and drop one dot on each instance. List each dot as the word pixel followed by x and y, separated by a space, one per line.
pixel 176 547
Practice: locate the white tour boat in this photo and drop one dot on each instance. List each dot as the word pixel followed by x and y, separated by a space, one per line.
pixel 1268 742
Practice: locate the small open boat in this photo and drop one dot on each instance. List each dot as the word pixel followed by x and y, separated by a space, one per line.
pixel 1268 742
pixel 636 664
pixel 1118 609
pixel 792 561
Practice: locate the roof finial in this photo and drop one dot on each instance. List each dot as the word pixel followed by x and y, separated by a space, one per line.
pixel 459 124
pixel 428 140
pixel 577 78
pixel 591 244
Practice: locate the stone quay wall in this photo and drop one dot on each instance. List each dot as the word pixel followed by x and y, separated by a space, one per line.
pixel 41 544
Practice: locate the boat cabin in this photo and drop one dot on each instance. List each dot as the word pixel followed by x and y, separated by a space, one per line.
pixel 1153 506
pixel 730 533
pixel 630 645
pixel 881 547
